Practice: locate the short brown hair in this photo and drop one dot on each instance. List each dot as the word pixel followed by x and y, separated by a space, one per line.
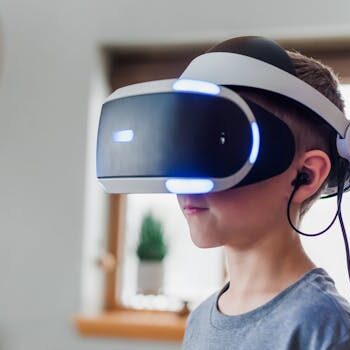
pixel 309 130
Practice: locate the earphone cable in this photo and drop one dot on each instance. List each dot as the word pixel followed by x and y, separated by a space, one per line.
pixel 340 194
pixel 341 222
pixel 342 173
pixel 345 242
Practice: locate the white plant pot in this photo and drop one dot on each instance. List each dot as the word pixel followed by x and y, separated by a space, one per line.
pixel 150 277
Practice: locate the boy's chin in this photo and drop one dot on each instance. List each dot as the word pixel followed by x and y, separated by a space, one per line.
pixel 202 241
pixel 206 245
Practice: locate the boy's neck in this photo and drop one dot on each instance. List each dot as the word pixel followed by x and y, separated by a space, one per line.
pixel 263 269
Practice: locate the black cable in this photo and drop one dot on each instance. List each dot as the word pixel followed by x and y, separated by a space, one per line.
pixel 343 173
pixel 345 242
pixel 339 195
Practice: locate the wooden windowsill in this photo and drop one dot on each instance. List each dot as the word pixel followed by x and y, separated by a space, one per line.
pixel 155 325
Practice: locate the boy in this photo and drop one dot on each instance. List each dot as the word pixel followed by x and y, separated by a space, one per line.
pixel 276 297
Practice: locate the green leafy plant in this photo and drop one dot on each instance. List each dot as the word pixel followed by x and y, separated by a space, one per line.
pixel 151 245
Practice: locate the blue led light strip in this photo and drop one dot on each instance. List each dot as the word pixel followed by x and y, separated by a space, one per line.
pixel 256 143
pixel 189 185
pixel 123 136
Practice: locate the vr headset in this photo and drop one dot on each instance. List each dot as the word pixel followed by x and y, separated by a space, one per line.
pixel 195 134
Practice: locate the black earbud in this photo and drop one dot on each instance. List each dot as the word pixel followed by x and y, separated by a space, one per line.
pixel 301 179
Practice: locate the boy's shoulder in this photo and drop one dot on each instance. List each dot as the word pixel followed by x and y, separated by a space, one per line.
pixel 323 296
pixel 310 308
pixel 317 314
pixel 318 309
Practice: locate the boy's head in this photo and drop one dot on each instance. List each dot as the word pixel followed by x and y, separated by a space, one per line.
pixel 239 215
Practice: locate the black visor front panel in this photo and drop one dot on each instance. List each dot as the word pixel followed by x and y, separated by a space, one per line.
pixel 276 148
pixel 172 134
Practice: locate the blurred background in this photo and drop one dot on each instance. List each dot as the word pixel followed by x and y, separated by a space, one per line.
pixel 74 273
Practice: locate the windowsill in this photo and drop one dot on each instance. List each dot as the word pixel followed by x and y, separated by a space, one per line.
pixel 155 325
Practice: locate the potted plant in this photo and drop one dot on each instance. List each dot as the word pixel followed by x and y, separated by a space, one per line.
pixel 151 251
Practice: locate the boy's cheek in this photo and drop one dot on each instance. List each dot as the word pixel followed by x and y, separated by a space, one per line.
pixel 262 196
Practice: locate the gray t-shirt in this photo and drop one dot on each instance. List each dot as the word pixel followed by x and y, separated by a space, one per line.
pixel 309 314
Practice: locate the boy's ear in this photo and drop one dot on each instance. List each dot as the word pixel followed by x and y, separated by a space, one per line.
pixel 317 165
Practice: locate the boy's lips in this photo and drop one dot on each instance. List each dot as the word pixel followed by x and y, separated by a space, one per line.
pixel 193 208
pixel 190 206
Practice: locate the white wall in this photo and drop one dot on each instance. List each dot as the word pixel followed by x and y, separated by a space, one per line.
pixel 48 53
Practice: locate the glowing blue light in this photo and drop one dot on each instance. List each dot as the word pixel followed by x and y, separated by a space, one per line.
pixel 123 136
pixel 189 185
pixel 256 142
pixel 197 86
